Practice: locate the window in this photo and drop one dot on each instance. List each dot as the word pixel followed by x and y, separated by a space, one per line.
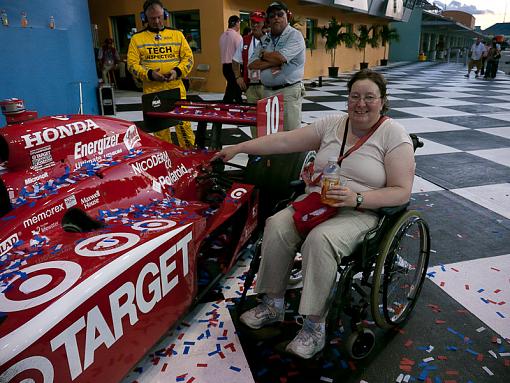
pixel 188 22
pixel 311 35
pixel 245 23
pixel 122 29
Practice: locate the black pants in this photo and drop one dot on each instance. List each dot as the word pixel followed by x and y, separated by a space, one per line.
pixel 492 69
pixel 232 92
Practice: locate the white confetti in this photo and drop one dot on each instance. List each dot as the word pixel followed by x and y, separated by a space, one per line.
pixel 489 372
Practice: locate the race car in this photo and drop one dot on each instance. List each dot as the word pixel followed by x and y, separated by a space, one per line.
pixel 107 237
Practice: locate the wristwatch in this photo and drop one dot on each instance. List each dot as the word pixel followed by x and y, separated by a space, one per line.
pixel 359 200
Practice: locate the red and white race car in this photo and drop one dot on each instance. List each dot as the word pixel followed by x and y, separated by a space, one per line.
pixel 103 229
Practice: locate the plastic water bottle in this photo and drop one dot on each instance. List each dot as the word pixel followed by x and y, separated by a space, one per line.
pixel 3 16
pixel 330 178
pixel 52 22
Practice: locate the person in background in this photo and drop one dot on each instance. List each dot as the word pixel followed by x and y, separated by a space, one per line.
pixel 477 50
pixel 249 80
pixel 160 57
pixel 379 173
pixel 281 59
pixel 229 42
pixel 493 57
pixel 108 58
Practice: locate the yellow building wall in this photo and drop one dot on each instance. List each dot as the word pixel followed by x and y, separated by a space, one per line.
pixel 214 15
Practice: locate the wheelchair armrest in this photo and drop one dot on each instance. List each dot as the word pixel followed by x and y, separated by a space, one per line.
pixel 392 210
pixel 297 186
pixel 417 143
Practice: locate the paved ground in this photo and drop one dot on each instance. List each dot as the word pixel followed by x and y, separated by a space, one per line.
pixel 463 190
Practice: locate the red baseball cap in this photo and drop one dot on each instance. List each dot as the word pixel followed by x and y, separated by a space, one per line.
pixel 258 16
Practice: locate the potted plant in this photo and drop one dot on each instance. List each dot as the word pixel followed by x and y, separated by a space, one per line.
pixel 367 36
pixel 332 33
pixel 387 34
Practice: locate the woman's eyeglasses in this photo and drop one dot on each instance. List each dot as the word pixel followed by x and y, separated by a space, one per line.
pixel 272 15
pixel 369 99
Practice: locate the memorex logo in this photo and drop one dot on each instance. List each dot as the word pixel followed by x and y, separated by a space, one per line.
pixel 90 148
pixel 151 162
pixel 43 215
pixel 52 134
pixel 8 244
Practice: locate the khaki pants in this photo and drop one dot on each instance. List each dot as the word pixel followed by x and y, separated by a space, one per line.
pixel 477 63
pixel 292 102
pixel 253 94
pixel 322 250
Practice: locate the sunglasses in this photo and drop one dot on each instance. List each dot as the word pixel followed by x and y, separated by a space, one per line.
pixel 272 15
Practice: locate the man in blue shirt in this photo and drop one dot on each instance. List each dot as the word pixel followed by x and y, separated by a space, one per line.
pixel 281 59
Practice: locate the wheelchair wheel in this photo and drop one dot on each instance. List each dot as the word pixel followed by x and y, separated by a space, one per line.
pixel 400 270
pixel 360 344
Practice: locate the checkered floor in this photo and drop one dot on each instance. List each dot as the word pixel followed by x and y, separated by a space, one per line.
pixel 462 187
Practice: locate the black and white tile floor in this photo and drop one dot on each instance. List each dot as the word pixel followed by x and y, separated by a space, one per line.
pixel 460 330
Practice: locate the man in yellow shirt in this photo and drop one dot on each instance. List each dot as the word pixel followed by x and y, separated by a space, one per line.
pixel 160 57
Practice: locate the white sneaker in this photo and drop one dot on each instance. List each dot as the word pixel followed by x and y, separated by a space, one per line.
pixel 309 341
pixel 263 314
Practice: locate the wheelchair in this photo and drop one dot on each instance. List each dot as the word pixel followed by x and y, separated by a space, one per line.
pixel 392 260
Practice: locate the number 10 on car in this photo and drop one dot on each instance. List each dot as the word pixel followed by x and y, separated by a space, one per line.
pixel 270 115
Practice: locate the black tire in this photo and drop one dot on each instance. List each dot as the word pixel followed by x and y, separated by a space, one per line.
pixel 400 270
pixel 272 176
pixel 360 344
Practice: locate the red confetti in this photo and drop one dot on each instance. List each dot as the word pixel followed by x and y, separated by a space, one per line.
pixel 441 357
pixel 450 381
pixel 225 332
pixel 190 380
pixel 440 321
pixel 230 346
pixel 408 344
pixel 221 354
pixel 428 380
pixel 155 361
pixel 452 372
pixel 501 303
pixel 406 368
pixel 493 268
pixel 164 367
pixel 352 365
pixel 479 357
pixel 201 364
pixel 409 362
pixel 454 269
pixel 466 287
pixel 180 336
pixel 507 362
pixel 497 291
pixel 442 284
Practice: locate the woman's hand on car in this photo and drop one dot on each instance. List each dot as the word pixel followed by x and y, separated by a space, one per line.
pixel 226 154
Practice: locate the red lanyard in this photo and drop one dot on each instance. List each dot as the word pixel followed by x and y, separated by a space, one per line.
pixel 308 171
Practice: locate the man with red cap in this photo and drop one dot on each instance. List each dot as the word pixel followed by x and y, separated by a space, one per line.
pixel 248 79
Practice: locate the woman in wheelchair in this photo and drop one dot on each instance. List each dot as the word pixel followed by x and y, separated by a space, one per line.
pixel 377 174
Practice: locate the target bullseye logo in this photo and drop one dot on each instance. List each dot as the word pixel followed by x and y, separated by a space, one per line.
pixel 106 244
pixel 36 288
pixel 38 363
pixel 238 193
pixel 153 225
